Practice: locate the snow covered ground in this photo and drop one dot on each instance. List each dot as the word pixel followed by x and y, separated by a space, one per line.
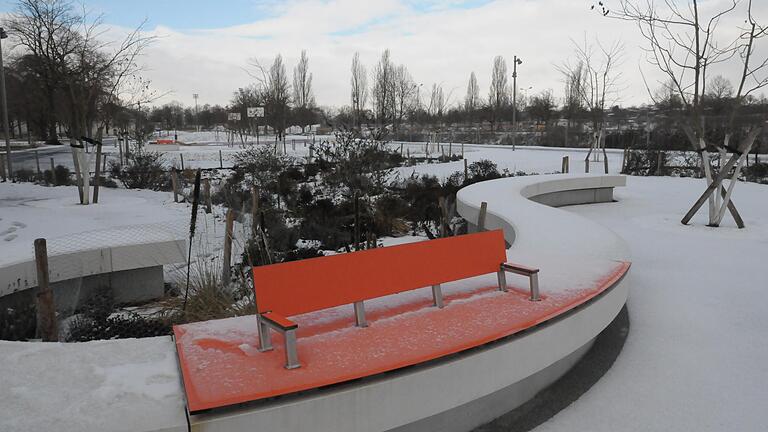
pixel 696 357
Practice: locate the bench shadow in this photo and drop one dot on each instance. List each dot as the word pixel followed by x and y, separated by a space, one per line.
pixel 570 386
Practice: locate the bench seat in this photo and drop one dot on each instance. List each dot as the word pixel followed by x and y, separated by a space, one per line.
pixel 221 364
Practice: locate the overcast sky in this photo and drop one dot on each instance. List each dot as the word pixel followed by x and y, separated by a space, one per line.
pixel 204 46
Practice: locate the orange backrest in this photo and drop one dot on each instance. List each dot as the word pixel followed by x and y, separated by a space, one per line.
pixel 297 287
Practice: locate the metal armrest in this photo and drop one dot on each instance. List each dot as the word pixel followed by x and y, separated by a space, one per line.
pixel 283 325
pixel 532 273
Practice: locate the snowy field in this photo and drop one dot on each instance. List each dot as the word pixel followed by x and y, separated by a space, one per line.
pixel 696 357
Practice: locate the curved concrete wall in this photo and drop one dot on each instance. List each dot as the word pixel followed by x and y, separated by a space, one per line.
pixel 451 394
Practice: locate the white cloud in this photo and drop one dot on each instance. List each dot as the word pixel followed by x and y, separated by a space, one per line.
pixel 442 45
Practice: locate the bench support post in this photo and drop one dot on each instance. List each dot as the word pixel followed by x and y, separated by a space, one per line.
pixel 437 295
pixel 291 356
pixel 535 287
pixel 360 315
pixel 502 280
pixel 265 339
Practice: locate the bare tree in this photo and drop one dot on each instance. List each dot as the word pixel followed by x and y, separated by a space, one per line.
pixel 383 78
pixel 684 45
pixel 77 68
pixel 598 87
pixel 437 102
pixel 472 99
pixel 303 97
pixel 359 82
pixel 572 105
pixel 276 91
pixel 403 94
pixel 720 87
pixel 498 96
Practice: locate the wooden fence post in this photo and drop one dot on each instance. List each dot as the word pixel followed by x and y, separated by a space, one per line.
pixel 658 163
pixel 481 216
pixel 2 167
pixel 564 169
pixel 207 193
pixel 605 161
pixel 255 210
pixel 227 258
pixel 586 165
pixel 221 161
pixel 466 171
pixel 174 185
pixel 181 156
pixel 46 307
pixel 37 162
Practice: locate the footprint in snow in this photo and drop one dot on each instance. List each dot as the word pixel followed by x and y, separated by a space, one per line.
pixel 10 237
pixel 8 231
pixel 19 224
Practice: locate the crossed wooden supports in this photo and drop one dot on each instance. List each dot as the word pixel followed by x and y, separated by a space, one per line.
pixel 737 159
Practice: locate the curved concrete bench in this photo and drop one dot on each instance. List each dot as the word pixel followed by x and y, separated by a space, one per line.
pixel 131 266
pixel 449 394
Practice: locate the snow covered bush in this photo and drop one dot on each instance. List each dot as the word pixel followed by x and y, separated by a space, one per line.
pixel 144 170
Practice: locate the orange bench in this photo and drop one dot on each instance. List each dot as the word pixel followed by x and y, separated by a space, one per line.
pixel 297 287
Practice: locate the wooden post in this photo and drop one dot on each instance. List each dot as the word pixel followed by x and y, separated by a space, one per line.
pixel 37 162
pixel 658 163
pixel 255 210
pixel 46 307
pixel 586 165
pixel 481 216
pixel 2 167
pixel 443 215
pixel 564 169
pixel 466 172
pixel 120 149
pixel 181 157
pixel 462 150
pixel 97 174
pixel 174 185
pixel 207 193
pixel 605 161
pixel 293 144
pixel 624 160
pixel 356 233
pixel 221 161
pixel 227 258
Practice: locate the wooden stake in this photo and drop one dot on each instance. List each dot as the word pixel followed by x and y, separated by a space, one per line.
pixel 227 258
pixel 466 172
pixel 37 162
pixel 564 168
pixel 2 167
pixel 605 160
pixel 255 210
pixel 481 216
pixel 174 185
pixel 221 160
pixel 207 193
pixel 586 165
pixel 97 173
pixel 46 306
pixel 181 157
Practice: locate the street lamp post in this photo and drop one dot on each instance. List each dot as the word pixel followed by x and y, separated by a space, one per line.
pixel 197 113
pixel 4 35
pixel 516 62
